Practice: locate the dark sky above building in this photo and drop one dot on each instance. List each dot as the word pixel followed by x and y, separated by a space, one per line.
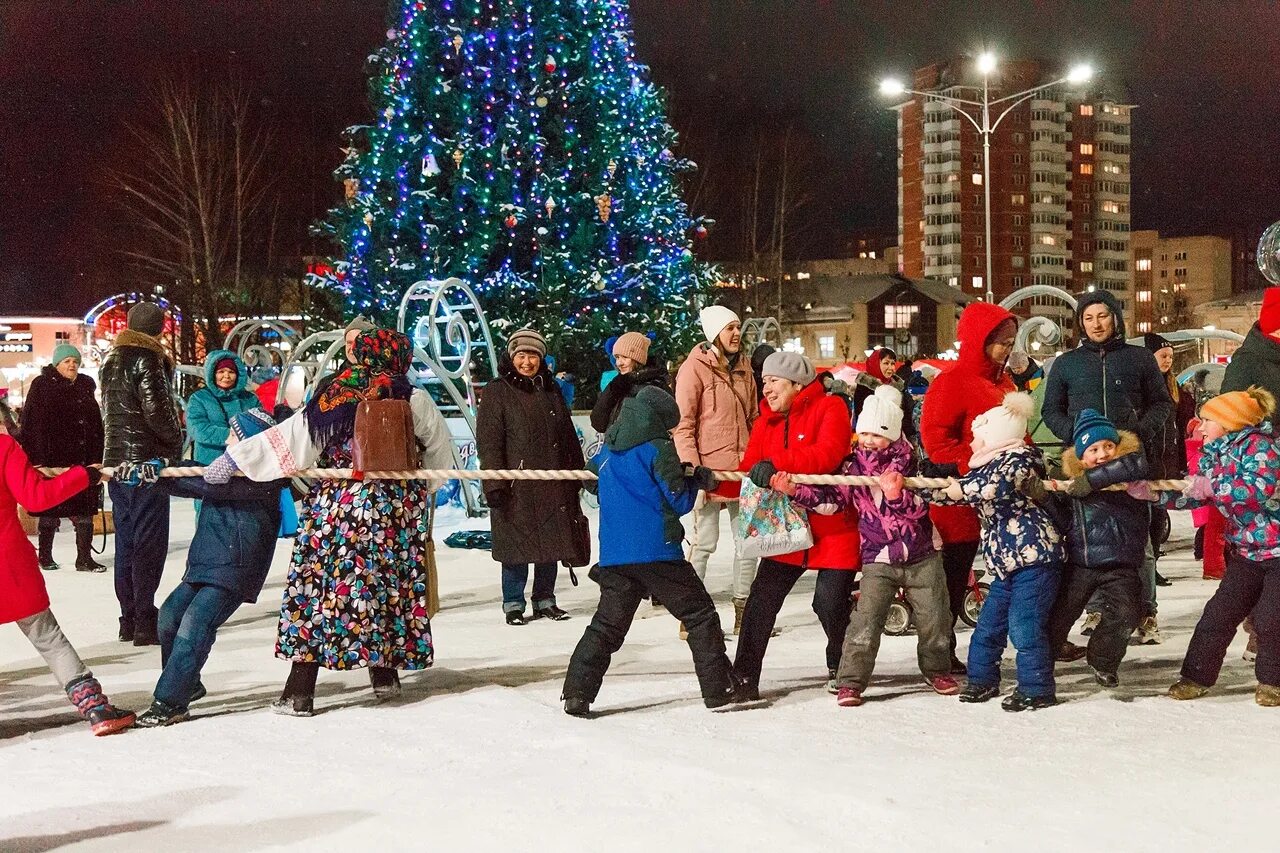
pixel 1204 75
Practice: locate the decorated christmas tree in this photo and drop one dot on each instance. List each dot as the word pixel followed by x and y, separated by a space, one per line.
pixel 520 147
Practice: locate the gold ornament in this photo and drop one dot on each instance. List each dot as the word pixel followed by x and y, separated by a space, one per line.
pixel 350 186
pixel 457 44
pixel 612 167
pixel 604 204
pixel 368 219
pixel 389 112
pixel 541 101
pixel 457 158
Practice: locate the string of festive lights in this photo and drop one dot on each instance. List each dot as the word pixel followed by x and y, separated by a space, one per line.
pixel 519 145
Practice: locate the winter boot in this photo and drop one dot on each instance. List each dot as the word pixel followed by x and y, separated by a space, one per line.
pixel 298 697
pixel 104 719
pixel 957 666
pixel 126 629
pixel 555 614
pixel 973 692
pixel 144 631
pixel 944 685
pixel 849 697
pixel 1185 688
pixel 1070 652
pixel 739 605
pixel 1267 695
pixel 161 714
pixel 45 547
pixel 516 617
pixel 1148 633
pixel 738 695
pixel 385 681
pixel 84 550
pixel 1019 701
pixel 577 707
pixel 1106 679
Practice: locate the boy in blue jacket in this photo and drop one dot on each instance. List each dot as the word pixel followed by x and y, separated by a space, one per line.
pixel 227 565
pixel 643 491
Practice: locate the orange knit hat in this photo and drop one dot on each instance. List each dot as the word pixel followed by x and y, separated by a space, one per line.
pixel 1239 409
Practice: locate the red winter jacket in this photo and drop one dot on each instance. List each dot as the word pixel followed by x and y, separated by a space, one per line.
pixel 22 591
pixel 813 437
pixel 956 396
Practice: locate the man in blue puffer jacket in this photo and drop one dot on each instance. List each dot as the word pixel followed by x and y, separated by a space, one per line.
pixel 643 491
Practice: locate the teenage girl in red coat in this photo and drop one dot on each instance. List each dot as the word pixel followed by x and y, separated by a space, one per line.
pixel 23 598
pixel 975 383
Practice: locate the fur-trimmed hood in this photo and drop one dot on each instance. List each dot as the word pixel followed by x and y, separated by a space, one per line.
pixel 133 338
pixel 1129 443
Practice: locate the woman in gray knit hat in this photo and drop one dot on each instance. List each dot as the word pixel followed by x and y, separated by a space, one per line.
pixel 523 422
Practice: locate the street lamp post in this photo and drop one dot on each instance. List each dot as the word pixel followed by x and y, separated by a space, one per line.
pixel 986 63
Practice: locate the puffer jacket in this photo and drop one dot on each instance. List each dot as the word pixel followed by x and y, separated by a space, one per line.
pixel 892 531
pixel 62 426
pixel 624 386
pixel 141 413
pixel 1256 362
pixel 717 410
pixel 1244 470
pixel 1104 529
pixel 1113 377
pixel 956 396
pixel 209 411
pixel 1016 532
pixel 812 437
pixel 643 490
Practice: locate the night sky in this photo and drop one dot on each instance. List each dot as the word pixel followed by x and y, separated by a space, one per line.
pixel 1205 77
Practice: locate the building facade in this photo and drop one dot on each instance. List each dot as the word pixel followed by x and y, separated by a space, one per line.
pixel 1173 275
pixel 1060 185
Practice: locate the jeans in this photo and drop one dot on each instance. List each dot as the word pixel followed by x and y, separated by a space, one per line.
pixel 926 591
pixel 621 589
pixel 832 602
pixel 188 625
pixel 42 630
pixel 704 537
pixel 1117 594
pixel 1016 611
pixel 142 543
pixel 514 578
pixel 1247 586
pixel 957 562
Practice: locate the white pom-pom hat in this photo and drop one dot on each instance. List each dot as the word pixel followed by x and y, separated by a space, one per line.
pixel 882 414
pixel 1006 422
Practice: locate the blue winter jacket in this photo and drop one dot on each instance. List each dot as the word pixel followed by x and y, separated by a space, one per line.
pixel 236 531
pixel 642 487
pixel 209 411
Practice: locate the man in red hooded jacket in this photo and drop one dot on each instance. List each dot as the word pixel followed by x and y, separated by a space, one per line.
pixel 801 430
pixel 975 383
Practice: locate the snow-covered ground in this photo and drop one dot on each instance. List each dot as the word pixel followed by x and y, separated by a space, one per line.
pixel 477 755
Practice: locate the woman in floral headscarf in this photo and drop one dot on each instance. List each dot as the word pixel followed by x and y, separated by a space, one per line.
pixel 356 594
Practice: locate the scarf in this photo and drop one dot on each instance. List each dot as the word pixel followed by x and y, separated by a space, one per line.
pixel 977 460
pixel 382 358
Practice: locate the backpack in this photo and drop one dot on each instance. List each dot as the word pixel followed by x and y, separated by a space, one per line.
pixel 383 439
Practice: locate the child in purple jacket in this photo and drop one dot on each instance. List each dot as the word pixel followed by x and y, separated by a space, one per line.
pixel 899 551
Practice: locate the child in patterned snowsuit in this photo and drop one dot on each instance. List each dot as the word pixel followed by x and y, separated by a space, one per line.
pixel 1022 548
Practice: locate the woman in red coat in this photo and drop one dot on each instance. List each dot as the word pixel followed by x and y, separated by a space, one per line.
pixel 801 430
pixel 975 383
pixel 23 598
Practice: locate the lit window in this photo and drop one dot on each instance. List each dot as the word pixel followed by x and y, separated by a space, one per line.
pixel 977 282
pixel 801 276
pixel 1048 240
pixel 1086 109
pixel 792 345
pixel 1086 168
pixel 977 178
pixel 954 281
pixel 1017 198
pixel 1086 148
pixel 1048 199
pixel 1144 295
pixel 826 346
pixel 1143 264
pixel 1086 266
pixel 1144 327
pixel 900 316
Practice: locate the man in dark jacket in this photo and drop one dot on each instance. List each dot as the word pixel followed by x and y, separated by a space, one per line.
pixel 142 429
pixel 1257 361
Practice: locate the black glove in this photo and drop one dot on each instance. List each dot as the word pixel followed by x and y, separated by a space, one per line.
pixel 939 469
pixel 704 478
pixel 762 472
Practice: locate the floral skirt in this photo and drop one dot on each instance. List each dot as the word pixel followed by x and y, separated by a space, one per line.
pixel 356 594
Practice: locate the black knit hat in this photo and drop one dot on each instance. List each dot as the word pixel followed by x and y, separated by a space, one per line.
pixel 147 318
pixel 1155 342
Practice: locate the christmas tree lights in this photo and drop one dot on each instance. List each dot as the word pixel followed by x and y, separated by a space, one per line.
pixel 521 147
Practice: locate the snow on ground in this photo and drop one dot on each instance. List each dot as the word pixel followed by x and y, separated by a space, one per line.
pixel 477 755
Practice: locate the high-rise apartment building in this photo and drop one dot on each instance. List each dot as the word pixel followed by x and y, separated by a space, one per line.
pixel 1059 184
pixel 1172 275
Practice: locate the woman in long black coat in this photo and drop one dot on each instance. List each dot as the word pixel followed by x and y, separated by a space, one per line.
pixel 62 427
pixel 523 422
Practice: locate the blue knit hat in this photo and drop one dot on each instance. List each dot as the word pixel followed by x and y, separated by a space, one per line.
pixel 1091 427
pixel 250 423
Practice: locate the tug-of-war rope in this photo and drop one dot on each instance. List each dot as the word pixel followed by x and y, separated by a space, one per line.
pixel 528 474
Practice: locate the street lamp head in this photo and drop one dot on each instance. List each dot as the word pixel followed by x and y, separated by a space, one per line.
pixel 986 62
pixel 1078 74
pixel 891 87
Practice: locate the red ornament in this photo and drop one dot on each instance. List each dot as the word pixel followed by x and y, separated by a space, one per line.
pixel 420 5
pixel 511 220
pixel 701 232
pixel 550 64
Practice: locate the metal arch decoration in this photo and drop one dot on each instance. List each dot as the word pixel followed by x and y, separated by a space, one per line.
pixel 761 330
pixel 91 316
pixel 312 356
pixel 240 340
pixel 1047 331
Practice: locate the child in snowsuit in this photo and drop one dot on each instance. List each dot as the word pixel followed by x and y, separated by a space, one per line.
pixel 1104 556
pixel 227 564
pixel 898 550
pixel 1021 547
pixel 1239 474
pixel 23 598
pixel 643 492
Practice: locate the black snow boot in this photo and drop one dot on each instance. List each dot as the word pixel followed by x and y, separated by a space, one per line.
pixel 1019 701
pixel 45 547
pixel 298 697
pixel 1106 679
pixel 84 550
pixel 575 706
pixel 385 681
pixel 144 631
pixel 103 718
pixel 126 629
pixel 979 692
pixel 161 714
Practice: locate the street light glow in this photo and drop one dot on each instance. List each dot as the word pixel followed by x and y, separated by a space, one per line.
pixel 891 88
pixel 1080 74
pixel 987 62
